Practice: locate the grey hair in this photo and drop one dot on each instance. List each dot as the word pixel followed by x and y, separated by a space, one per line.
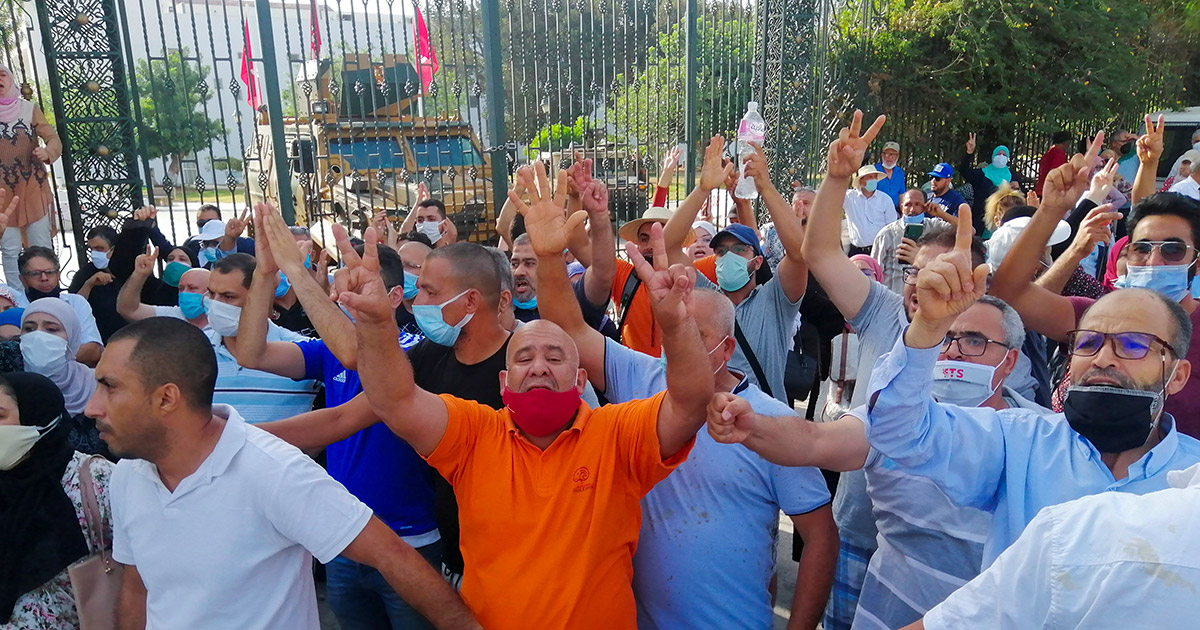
pixel 1014 330
pixel 1181 341
pixel 503 268
pixel 299 230
pixel 523 239
pixel 718 310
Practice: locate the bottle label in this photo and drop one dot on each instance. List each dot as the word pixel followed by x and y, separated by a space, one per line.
pixel 752 128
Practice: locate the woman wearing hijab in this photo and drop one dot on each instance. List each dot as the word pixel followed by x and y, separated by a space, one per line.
pixel 41 506
pixel 986 180
pixel 23 170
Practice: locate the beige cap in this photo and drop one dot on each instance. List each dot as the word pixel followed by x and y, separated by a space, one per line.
pixel 869 169
pixel 895 146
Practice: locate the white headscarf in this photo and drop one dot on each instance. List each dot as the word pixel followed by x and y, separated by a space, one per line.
pixel 75 380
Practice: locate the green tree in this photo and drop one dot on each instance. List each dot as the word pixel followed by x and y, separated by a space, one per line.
pixel 650 106
pixel 172 92
pixel 557 136
pixel 994 67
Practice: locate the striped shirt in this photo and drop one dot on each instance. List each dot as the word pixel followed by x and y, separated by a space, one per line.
pixel 260 396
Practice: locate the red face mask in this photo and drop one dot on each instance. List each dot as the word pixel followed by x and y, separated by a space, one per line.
pixel 540 412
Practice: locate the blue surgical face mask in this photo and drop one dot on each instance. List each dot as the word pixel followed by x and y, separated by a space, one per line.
pixel 429 319
pixel 410 286
pixel 281 289
pixel 209 255
pixel 870 185
pixel 915 219
pixel 1169 280
pixel 525 305
pixel 99 259
pixel 733 272
pixel 308 261
pixel 192 304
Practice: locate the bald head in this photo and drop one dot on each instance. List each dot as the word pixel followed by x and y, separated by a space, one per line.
pixel 718 319
pixel 194 281
pixel 1141 310
pixel 542 355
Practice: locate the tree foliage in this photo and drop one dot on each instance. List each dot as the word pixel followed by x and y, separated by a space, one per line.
pixel 558 136
pixel 650 105
pixel 994 66
pixel 172 93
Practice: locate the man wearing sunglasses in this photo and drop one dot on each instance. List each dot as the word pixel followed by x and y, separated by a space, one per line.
pixel 1126 358
pixel 929 546
pixel 1161 256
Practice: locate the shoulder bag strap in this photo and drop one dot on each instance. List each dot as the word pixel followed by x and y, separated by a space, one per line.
pixel 844 352
pixel 91 508
pixel 753 360
pixel 632 283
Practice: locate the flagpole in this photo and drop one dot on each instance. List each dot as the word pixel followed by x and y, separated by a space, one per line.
pixel 283 172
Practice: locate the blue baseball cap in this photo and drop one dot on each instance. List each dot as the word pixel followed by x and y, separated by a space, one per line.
pixel 942 170
pixel 743 234
pixel 12 317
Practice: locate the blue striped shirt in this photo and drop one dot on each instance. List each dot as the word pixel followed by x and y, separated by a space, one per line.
pixel 260 396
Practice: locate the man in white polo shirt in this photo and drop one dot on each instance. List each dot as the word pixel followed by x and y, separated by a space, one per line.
pixel 217 521
pixel 867 211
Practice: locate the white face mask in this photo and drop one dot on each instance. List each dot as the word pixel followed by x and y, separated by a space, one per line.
pixel 431 229
pixel 889 164
pixel 963 384
pixel 222 317
pixel 43 353
pixel 15 443
pixel 1000 161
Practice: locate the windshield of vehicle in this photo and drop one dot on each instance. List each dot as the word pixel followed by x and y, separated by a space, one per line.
pixel 444 152
pixel 369 154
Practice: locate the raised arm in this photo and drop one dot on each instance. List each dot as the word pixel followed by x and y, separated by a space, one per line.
pixel 1093 231
pixel 317 429
pixel 234 228
pixel 840 445
pixel 1149 152
pixel 508 213
pixel 846 285
pixel 599 276
pixel 1044 311
pixel 335 329
pixel 417 416
pixel 689 379
pixel 792 272
pixel 129 300
pixel 712 175
pixel 251 348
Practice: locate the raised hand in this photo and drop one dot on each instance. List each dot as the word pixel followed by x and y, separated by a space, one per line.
pixel 1031 199
pixel 971 144
pixel 1094 230
pixel 143 265
pixel 281 245
pixel 951 284
pixel 728 416
pixel 546 222
pixel 359 286
pixel 422 192
pixel 595 200
pixel 847 152
pixel 671 159
pixel 1102 181
pixel 449 231
pixel 265 265
pixel 1150 146
pixel 670 288
pixel 10 209
pixel 236 225
pixel 145 213
pixel 714 171
pixel 1065 184
pixel 758 168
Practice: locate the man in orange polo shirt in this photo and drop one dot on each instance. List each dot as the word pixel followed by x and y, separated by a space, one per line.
pixel 548 488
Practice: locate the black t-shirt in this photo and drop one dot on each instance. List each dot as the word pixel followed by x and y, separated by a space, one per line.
pixel 293 319
pixel 437 370
pixel 407 323
pixel 595 316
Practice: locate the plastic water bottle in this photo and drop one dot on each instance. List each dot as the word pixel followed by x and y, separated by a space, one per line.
pixel 752 129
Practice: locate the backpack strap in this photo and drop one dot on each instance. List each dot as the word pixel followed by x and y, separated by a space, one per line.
pixel 753 360
pixel 632 284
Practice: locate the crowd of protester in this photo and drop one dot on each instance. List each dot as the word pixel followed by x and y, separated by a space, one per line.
pixel 553 433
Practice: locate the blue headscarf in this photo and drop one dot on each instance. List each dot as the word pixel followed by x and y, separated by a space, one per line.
pixel 998 175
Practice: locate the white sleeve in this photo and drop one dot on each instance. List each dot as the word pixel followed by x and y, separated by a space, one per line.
pixel 88 331
pixel 168 311
pixel 122 550
pixel 1015 592
pixel 315 511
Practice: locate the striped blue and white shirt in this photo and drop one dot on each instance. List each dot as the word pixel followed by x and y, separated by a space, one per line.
pixel 260 396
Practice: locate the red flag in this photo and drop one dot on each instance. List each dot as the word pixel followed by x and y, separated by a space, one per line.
pixel 248 77
pixel 315 32
pixel 426 62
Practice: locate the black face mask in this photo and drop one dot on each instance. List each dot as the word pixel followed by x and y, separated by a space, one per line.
pixel 34 294
pixel 1126 148
pixel 1112 419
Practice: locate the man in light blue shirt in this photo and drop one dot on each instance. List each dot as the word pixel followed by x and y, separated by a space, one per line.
pixel 1126 357
pixel 927 545
pixel 705 554
pixel 1092 563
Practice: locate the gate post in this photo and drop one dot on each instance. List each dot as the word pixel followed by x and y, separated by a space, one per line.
pixel 91 97
pixel 283 167
pixel 493 65
pixel 689 112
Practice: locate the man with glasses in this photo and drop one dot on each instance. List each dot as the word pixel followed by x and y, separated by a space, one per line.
pixel 1161 257
pixel 1127 357
pixel 928 545
pixel 40 275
